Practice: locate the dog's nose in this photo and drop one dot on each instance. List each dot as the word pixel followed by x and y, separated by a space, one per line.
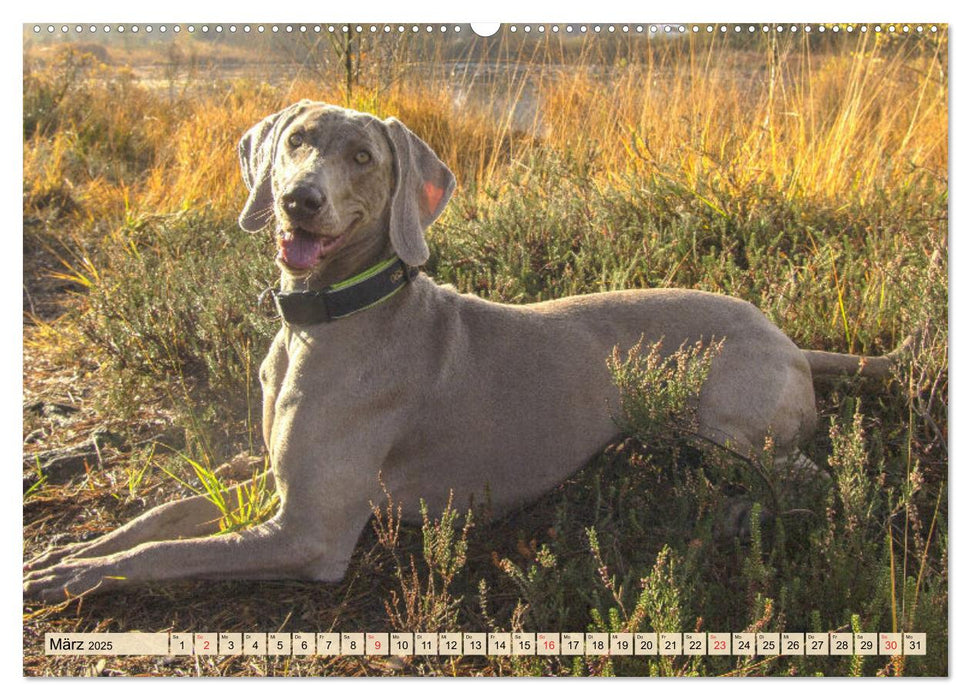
pixel 302 201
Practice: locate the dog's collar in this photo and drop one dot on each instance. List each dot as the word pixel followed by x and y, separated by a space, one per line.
pixel 360 292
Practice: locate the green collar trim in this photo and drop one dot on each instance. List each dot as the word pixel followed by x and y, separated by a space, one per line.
pixel 363 291
pixel 368 273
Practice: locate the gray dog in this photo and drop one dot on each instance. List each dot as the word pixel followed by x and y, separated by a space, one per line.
pixel 378 369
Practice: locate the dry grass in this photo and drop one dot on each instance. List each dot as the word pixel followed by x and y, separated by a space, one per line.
pixel 829 128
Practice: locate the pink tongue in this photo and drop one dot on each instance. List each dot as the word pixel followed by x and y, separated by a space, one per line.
pixel 299 251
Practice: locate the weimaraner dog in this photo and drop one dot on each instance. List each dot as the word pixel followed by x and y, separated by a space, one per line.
pixel 386 372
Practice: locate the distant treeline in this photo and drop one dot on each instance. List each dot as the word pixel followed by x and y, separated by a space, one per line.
pixel 568 44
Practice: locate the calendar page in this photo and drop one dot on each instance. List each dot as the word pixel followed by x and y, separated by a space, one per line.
pixel 512 349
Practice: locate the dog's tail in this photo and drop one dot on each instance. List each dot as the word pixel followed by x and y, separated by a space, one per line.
pixel 834 364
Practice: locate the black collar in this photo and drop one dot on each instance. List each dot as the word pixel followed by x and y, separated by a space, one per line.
pixel 358 293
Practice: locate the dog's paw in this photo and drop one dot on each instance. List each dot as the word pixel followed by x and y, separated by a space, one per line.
pixel 60 582
pixel 55 556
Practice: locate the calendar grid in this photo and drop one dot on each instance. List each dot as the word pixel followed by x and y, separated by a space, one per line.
pixel 746 644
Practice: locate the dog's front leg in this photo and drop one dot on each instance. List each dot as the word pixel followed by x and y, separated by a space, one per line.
pixel 325 503
pixel 275 549
pixel 189 517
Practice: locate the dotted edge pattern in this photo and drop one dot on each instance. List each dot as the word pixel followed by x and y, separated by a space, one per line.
pixel 565 29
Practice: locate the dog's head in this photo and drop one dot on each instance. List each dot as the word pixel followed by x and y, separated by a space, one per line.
pixel 328 176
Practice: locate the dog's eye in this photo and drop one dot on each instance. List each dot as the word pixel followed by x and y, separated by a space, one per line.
pixel 362 157
pixel 295 139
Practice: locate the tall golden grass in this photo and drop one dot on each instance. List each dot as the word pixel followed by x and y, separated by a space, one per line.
pixel 834 126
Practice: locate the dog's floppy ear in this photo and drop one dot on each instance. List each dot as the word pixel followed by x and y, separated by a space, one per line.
pixel 257 149
pixel 423 186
